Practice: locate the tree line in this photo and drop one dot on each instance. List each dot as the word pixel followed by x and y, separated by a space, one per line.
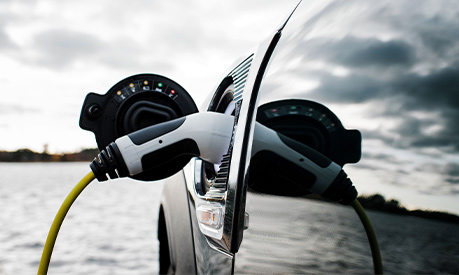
pixel 379 203
pixel 27 155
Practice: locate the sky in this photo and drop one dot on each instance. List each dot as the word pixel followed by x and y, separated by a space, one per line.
pixel 52 53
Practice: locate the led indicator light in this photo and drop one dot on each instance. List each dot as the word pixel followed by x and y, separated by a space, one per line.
pixel 173 92
pixel 118 93
pixel 207 217
pixel 210 215
pixel 210 219
pixel 131 85
pixel 145 82
pixel 160 84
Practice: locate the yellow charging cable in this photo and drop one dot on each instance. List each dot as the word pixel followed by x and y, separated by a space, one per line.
pixel 54 230
pixel 374 246
pixel 86 180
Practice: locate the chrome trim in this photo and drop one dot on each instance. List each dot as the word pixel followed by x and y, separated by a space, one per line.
pixel 193 173
pixel 235 202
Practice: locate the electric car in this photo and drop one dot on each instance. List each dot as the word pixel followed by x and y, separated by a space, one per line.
pixel 387 69
pixel 372 86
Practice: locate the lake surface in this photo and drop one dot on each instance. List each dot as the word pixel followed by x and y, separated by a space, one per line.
pixel 111 229
pixel 299 236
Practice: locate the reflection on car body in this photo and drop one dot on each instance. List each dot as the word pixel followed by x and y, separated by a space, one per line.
pixel 389 70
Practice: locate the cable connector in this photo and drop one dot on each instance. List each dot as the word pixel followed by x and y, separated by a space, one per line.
pixel 161 150
pixel 341 190
pixel 280 159
pixel 109 161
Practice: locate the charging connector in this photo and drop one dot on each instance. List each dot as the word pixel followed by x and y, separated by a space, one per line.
pixel 109 161
pixel 205 135
pixel 208 136
pixel 283 166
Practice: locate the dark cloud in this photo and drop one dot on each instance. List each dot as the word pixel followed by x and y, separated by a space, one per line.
pixel 439 33
pixel 451 169
pixel 60 48
pixel 453 180
pixel 434 141
pixel 412 132
pixel 439 41
pixel 438 89
pixel 355 52
pixel 435 95
pixel 354 88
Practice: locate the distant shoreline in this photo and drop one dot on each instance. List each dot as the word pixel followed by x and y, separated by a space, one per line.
pixel 379 203
pixel 27 155
pixel 374 202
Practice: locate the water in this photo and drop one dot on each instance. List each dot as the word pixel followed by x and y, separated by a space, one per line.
pixel 316 237
pixel 110 229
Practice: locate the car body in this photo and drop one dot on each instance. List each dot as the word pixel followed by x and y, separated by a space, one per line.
pixel 387 69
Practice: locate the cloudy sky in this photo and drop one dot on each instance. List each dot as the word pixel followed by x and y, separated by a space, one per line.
pixel 52 53
pixel 390 70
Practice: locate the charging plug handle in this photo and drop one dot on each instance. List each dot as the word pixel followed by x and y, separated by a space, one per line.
pixel 298 164
pixel 205 135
